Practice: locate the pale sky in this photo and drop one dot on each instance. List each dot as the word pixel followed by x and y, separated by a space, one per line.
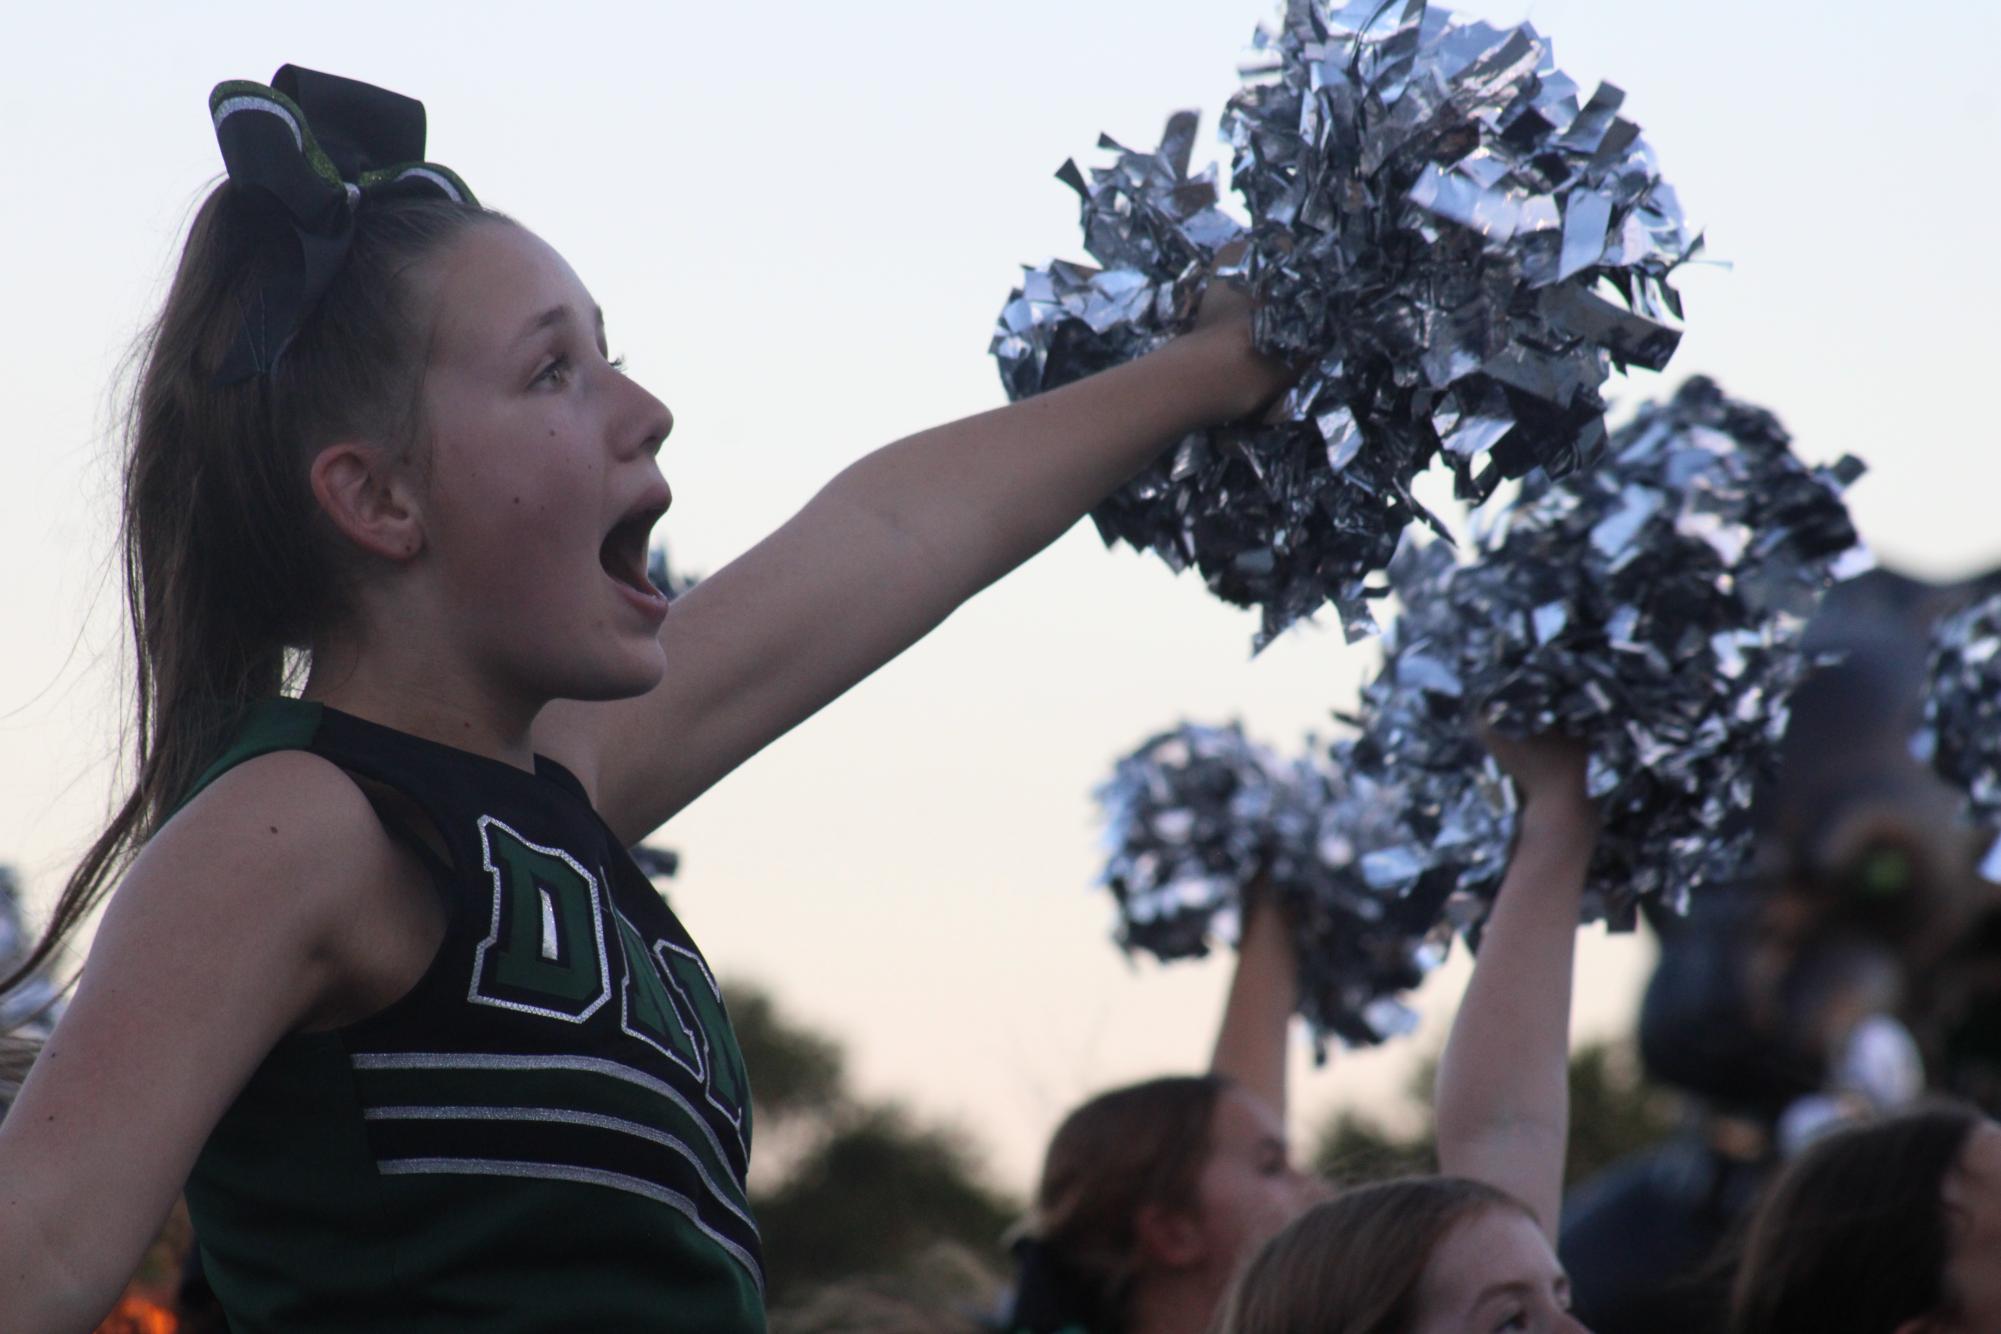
pixel 801 220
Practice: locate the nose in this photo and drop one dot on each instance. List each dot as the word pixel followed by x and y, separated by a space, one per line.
pixel 663 426
pixel 659 424
pixel 646 421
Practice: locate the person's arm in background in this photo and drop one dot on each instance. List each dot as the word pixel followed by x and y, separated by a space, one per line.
pixel 1251 1043
pixel 1502 1098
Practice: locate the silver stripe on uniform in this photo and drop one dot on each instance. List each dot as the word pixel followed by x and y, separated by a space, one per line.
pixel 563 1116
pixel 589 1065
pixel 487 1167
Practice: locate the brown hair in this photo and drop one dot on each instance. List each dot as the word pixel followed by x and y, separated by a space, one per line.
pixel 228 569
pixel 1853 1234
pixel 1353 1264
pixel 1141 1145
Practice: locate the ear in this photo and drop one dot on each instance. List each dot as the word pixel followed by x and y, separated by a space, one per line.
pixel 370 498
pixel 1169 1238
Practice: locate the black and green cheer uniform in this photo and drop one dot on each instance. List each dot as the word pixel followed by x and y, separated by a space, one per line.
pixel 549 1132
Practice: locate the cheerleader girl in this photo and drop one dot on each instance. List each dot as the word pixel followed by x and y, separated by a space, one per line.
pixel 1153 1193
pixel 1470 1252
pixel 1154 1196
pixel 379 987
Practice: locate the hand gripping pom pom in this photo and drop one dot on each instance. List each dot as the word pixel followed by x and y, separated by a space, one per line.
pixel 1652 607
pixel 1436 231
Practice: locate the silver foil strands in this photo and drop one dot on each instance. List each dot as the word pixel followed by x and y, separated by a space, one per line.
pixel 1192 819
pixel 1198 817
pixel 1155 231
pixel 1962 727
pixel 1452 247
pixel 1367 914
pixel 1414 738
pixel 1651 606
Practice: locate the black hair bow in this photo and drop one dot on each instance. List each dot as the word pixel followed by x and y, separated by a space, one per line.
pixel 315 146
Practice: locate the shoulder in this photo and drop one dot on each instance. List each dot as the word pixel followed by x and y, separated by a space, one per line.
pixel 287 833
pixel 282 805
pixel 279 880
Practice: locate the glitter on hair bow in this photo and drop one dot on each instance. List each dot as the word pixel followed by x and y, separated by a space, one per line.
pixel 310 147
pixel 1451 246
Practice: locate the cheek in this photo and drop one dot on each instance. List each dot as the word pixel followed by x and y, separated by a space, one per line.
pixel 1248 1207
pixel 1282 1200
pixel 518 506
pixel 1977 1278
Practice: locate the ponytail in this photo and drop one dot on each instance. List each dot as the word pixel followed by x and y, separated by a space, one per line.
pixel 230 571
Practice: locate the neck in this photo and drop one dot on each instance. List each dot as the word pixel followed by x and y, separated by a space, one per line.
pixel 1178 1302
pixel 412 694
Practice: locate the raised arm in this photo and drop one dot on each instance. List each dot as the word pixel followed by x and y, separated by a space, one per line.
pixel 883 554
pixel 1264 991
pixel 1502 1098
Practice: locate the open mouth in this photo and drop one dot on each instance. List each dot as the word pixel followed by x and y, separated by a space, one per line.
pixel 623 552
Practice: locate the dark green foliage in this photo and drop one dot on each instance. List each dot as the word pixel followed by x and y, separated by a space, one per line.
pixel 877 1194
pixel 793 1070
pixel 864 1192
pixel 1613 1110
pixel 1354 1149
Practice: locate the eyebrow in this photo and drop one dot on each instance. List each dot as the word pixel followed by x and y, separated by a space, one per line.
pixel 556 315
pixel 1512 1289
pixel 1515 1288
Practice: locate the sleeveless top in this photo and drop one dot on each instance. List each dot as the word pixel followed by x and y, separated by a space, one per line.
pixel 549 1132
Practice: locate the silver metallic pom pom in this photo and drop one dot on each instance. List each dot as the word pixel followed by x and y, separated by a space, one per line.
pixel 1962 728
pixel 1199 818
pixel 1652 607
pixel 1452 247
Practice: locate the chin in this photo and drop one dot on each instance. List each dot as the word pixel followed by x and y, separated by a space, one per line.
pixel 603 682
